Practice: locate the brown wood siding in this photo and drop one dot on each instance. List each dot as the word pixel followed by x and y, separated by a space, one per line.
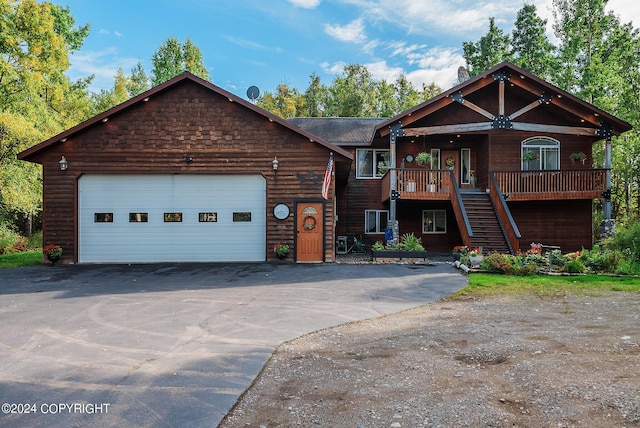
pixel 354 198
pixel 410 221
pixel 567 224
pixel 221 136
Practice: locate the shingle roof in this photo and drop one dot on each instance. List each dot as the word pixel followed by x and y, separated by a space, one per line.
pixel 341 131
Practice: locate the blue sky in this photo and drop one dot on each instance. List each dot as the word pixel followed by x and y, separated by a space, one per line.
pixel 268 42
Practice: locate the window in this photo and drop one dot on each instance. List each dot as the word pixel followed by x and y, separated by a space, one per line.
pixel 208 217
pixel 372 163
pixel 173 217
pixel 103 217
pixel 138 217
pixel 242 216
pixel 465 166
pixel 434 221
pixel 375 221
pixel 540 153
pixel 435 158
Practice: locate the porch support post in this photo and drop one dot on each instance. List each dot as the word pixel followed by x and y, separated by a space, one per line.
pixel 396 131
pixel 607 227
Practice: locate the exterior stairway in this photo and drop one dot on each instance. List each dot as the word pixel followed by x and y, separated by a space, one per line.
pixel 488 233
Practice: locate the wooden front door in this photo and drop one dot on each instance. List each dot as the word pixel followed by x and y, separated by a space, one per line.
pixel 310 232
pixel 451 161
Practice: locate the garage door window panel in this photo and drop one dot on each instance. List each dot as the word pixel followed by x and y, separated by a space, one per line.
pixel 138 217
pixel 173 217
pixel 241 217
pixel 208 217
pixel 103 218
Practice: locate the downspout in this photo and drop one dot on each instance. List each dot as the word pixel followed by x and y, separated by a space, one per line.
pixel 608 226
pixel 396 131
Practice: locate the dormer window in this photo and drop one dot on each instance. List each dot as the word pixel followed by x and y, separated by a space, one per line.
pixel 540 153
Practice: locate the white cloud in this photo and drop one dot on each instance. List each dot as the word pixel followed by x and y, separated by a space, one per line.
pixel 103 65
pixel 458 17
pixel 118 34
pixel 380 70
pixel 352 32
pixel 305 4
pixel 251 44
pixel 334 69
pixel 626 10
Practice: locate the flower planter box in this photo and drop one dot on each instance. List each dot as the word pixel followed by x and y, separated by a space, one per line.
pixel 391 256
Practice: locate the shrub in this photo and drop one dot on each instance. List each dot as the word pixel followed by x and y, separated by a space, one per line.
pixel 377 246
pixel 574 266
pixel 601 260
pixel 536 259
pixel 497 262
pixel 409 242
pixel 8 239
pixel 627 238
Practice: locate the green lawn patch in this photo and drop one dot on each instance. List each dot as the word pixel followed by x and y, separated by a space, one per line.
pixel 27 258
pixel 497 284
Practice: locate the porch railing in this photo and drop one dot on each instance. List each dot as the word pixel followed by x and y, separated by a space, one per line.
pixel 555 184
pixel 422 184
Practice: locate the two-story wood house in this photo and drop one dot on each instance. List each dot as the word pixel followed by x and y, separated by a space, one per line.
pixel 510 163
pixel 189 172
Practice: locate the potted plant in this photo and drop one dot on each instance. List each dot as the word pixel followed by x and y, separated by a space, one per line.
pixel 529 156
pixel 475 257
pixel 578 157
pixel 281 250
pixel 52 253
pixel 458 251
pixel 424 159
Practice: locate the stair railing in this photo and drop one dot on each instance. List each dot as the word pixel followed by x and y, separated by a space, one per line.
pixel 460 212
pixel 504 214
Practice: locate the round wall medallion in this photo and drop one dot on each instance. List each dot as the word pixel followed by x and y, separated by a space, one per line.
pixel 281 211
pixel 408 158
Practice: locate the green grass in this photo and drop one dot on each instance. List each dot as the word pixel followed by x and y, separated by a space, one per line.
pixel 27 258
pixel 496 284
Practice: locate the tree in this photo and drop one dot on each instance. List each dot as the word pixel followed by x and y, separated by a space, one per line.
pixel 532 49
pixel 350 93
pixel 315 97
pixel 173 58
pixel 286 102
pixel 491 49
pixel 36 99
pixel 599 60
pixel 138 81
pixel 106 99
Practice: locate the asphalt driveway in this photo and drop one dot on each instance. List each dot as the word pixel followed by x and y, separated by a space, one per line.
pixel 173 345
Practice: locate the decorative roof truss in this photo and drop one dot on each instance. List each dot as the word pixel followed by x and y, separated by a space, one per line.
pixel 501 120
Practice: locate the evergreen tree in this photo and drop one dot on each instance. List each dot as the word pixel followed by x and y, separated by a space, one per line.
pixel 172 58
pixel 532 49
pixel 490 50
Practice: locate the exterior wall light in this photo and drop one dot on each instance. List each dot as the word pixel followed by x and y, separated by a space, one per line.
pixel 63 164
pixel 274 163
pixel 188 160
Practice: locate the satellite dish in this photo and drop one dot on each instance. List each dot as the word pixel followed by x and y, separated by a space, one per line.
pixel 253 93
pixel 463 74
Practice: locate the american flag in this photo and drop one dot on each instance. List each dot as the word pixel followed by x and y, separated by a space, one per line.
pixel 326 183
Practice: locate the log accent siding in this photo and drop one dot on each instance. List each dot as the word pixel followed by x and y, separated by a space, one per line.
pixel 153 137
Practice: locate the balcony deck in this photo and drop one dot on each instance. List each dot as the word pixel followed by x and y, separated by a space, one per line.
pixel 548 185
pixel 423 184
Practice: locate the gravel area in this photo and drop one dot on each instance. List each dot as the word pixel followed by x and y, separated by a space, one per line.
pixel 518 361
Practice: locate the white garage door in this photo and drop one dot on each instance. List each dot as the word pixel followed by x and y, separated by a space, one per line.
pixel 162 218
